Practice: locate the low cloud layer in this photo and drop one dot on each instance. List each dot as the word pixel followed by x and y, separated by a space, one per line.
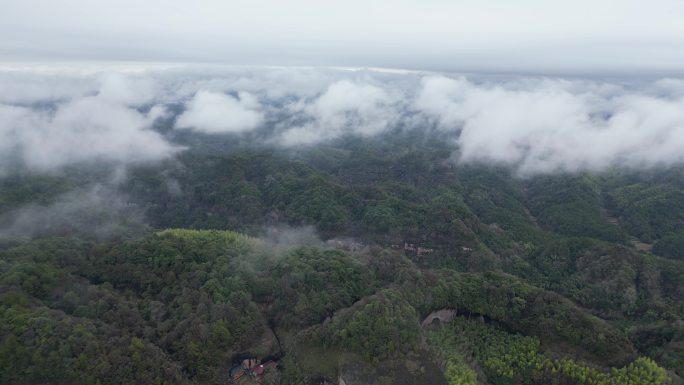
pixel 345 108
pixel 215 113
pixel 50 119
pixel 102 124
pixel 555 125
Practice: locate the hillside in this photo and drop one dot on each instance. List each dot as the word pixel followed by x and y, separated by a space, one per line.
pixel 327 260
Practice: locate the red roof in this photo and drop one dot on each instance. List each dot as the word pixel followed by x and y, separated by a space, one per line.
pixel 259 369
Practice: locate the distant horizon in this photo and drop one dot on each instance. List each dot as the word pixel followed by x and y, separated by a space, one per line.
pixel 525 37
pixel 96 66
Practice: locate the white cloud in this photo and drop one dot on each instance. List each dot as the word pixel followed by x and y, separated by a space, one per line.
pixel 552 126
pixel 100 122
pixel 534 124
pixel 669 87
pixel 87 129
pixel 117 88
pixel 216 113
pixel 344 108
pixel 29 87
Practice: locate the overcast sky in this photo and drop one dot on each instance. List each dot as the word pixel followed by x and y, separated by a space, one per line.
pixel 579 36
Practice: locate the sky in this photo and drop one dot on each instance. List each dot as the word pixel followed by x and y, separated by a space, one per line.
pixel 51 119
pixel 525 36
pixel 541 86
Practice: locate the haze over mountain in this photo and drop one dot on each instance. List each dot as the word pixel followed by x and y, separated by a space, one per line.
pixel 340 193
pixel 535 124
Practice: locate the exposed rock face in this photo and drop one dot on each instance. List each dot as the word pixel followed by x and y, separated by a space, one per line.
pixel 443 315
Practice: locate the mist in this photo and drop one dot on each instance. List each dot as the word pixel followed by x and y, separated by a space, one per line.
pixel 215 113
pixel 97 212
pixel 558 125
pixel 281 238
pixel 343 108
pixel 51 129
pixel 71 116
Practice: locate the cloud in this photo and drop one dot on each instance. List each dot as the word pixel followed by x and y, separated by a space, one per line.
pixel 669 87
pixel 19 87
pixel 535 125
pixel 549 126
pixel 344 108
pixel 283 237
pixel 217 113
pixel 98 211
pixel 103 123
pixel 86 129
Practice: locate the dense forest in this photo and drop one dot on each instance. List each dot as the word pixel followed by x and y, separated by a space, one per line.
pixel 327 260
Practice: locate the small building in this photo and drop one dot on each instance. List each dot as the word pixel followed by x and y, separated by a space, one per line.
pixel 251 369
pixel 249 363
pixel 236 372
pixel 259 371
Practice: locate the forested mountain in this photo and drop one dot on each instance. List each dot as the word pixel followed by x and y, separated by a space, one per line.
pixel 327 259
